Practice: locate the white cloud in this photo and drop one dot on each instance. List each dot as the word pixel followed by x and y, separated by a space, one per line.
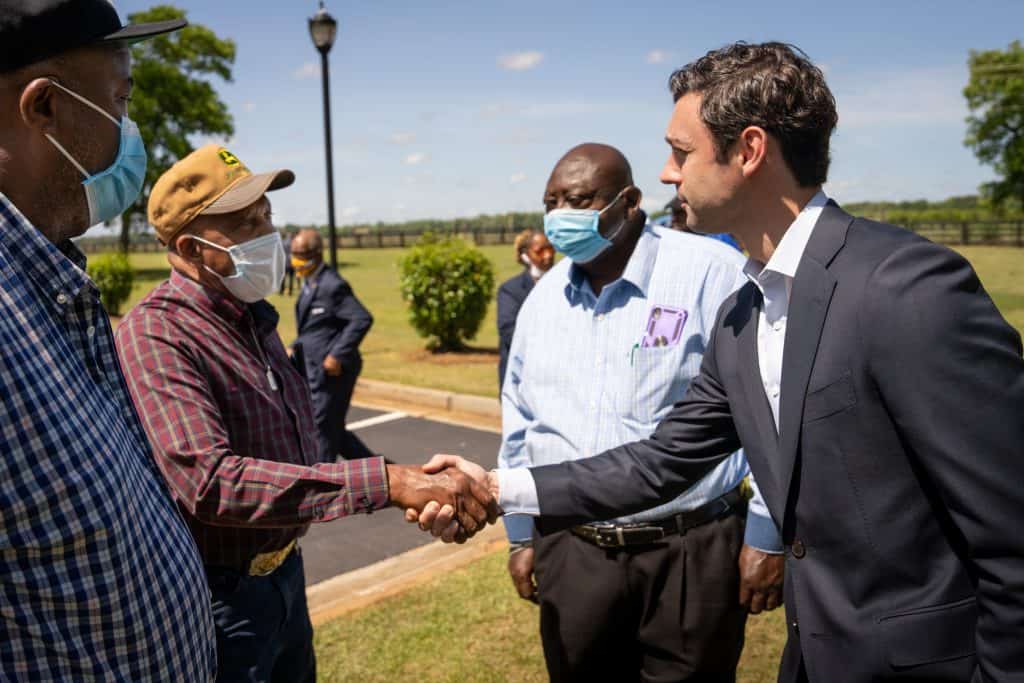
pixel 306 71
pixel 414 159
pixel 350 212
pixel 517 178
pixel 924 96
pixel 403 138
pixel 521 61
pixel 249 106
pixel 658 56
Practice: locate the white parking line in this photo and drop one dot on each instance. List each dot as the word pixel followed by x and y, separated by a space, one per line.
pixel 374 421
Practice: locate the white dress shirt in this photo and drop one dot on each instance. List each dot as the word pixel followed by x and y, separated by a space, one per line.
pixel 517 489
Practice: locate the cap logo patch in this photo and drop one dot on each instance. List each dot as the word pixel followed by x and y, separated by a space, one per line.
pixel 228 158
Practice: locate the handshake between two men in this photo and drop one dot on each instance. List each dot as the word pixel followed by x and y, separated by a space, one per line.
pixel 450 497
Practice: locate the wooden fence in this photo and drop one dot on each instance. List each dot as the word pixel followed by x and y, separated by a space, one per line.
pixel 1002 233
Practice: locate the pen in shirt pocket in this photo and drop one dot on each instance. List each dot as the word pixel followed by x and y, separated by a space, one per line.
pixel 632 353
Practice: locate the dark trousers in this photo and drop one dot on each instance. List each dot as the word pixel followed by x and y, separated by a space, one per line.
pixel 331 399
pixel 288 280
pixel 263 628
pixel 664 612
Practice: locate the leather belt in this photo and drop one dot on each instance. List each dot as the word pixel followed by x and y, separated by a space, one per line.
pixel 266 563
pixel 646 533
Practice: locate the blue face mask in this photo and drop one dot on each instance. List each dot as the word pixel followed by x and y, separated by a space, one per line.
pixel 110 192
pixel 574 232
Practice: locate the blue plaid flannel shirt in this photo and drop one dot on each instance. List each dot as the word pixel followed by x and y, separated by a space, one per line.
pixel 99 577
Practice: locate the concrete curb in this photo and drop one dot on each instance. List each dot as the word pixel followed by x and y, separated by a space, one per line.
pixel 373 391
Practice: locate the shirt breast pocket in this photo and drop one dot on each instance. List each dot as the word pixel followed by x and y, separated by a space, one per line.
pixel 652 382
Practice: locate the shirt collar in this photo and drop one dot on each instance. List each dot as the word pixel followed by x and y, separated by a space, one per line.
pixel 57 270
pixel 227 307
pixel 791 247
pixel 638 270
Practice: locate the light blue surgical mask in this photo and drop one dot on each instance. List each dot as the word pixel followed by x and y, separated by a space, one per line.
pixel 574 232
pixel 110 192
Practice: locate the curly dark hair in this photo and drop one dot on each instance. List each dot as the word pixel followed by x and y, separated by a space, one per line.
pixel 771 85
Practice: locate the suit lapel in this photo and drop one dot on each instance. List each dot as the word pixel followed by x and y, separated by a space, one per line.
pixel 813 287
pixel 750 301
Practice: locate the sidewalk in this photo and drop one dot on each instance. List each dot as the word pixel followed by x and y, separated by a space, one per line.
pixel 354 590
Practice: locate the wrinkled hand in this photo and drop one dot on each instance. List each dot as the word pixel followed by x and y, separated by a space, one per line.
pixel 469 502
pixel 332 366
pixel 761 577
pixel 520 568
pixel 440 519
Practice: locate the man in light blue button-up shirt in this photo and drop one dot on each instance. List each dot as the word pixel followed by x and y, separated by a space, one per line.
pixel 602 351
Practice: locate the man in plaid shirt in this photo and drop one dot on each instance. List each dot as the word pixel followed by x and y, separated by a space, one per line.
pixel 99 578
pixel 231 419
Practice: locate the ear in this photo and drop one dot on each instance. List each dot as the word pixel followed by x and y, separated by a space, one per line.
pixel 752 149
pixel 632 198
pixel 37 106
pixel 188 248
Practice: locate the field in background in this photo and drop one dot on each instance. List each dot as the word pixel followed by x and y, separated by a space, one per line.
pixel 394 353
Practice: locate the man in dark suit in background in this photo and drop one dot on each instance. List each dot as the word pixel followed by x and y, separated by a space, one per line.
pixel 873 383
pixel 535 253
pixel 331 324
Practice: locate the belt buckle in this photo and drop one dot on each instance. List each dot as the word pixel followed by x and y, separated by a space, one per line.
pixel 604 538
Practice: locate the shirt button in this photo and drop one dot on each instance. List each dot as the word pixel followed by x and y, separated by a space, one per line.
pixel 91 331
pixel 777 325
pixel 775 391
pixel 600 316
pixel 62 298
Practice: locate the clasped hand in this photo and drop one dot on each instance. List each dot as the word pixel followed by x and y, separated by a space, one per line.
pixel 449 496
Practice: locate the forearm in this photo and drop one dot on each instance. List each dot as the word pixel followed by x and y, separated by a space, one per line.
pixel 251 492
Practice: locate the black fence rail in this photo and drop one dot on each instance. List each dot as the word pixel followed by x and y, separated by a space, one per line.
pixel 1000 233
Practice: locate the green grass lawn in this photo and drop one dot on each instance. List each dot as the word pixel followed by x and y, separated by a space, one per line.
pixel 393 352
pixel 471 626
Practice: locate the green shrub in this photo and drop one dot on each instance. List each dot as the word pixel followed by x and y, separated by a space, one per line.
pixel 448 285
pixel 112 273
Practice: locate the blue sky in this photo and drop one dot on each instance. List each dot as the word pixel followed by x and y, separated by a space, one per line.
pixel 445 109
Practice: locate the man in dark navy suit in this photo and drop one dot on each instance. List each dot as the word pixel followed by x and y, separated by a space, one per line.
pixel 537 256
pixel 331 324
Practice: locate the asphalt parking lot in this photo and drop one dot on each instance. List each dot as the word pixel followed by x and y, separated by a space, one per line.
pixel 350 543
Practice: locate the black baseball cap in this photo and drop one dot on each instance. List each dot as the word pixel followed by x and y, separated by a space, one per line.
pixel 34 30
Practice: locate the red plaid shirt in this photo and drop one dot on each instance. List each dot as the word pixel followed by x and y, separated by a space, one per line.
pixel 239 455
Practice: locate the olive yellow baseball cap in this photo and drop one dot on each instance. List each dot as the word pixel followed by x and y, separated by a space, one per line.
pixel 209 181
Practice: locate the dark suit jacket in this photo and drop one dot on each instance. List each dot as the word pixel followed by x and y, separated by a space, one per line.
pixel 511 296
pixel 330 320
pixel 897 477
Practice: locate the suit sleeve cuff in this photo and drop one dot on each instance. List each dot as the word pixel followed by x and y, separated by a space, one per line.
pixel 762 534
pixel 517 492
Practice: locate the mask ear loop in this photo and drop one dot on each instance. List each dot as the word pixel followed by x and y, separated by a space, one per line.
pixel 60 147
pixel 86 102
pixel 611 237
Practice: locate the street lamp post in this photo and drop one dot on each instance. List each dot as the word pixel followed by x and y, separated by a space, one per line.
pixel 323 29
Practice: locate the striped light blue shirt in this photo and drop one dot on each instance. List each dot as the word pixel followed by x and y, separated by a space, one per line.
pixel 579 382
